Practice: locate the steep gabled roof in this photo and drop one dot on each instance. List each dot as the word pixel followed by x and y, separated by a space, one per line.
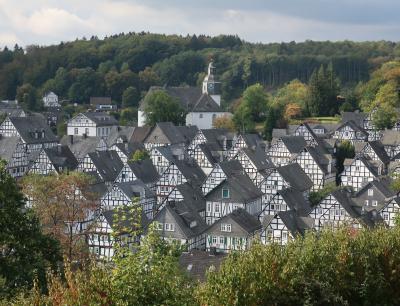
pixel 28 126
pixel 8 145
pixel 231 167
pixel 390 138
pixel 379 150
pixel 107 163
pixel 170 131
pixel 295 176
pixel 297 225
pixel 296 201
pixel 101 118
pixel 294 143
pixel 135 189
pixel 247 222
pixel 259 158
pixel 357 117
pixel 80 145
pixel 206 104
pixel 61 156
pixel 144 170
pixel 354 126
pixel 191 171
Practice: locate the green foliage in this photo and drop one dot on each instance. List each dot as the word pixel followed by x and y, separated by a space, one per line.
pixel 130 97
pixel 255 101
pixel 344 267
pixel 316 196
pixel 27 96
pixel 270 123
pixel 384 117
pixel 26 252
pixel 343 151
pixel 243 120
pixel 295 92
pixel 161 107
pixel 140 155
pixel 127 116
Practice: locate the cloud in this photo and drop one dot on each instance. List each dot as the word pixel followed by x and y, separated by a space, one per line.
pixel 51 21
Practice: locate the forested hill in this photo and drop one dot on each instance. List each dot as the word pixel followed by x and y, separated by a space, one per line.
pixel 93 67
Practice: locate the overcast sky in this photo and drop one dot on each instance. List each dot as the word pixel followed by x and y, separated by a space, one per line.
pixel 46 22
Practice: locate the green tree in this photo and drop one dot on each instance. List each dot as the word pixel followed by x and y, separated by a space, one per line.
pixel 295 92
pixel 270 123
pixel 343 151
pixel 255 101
pixel 130 97
pixel 27 96
pixel 243 120
pixel 140 155
pixel 384 117
pixel 26 252
pixel 161 107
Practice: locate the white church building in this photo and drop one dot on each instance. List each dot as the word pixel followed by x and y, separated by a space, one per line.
pixel 202 106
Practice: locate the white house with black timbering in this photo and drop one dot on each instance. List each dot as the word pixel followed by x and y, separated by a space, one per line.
pixel 390 211
pixel 307 133
pixel 287 199
pixel 50 99
pixel 111 228
pixel 365 121
pixel 220 140
pixel 80 146
pixel 289 176
pixel 163 157
pixel 241 141
pixel 233 232
pixel 142 170
pixel 235 191
pixel 318 164
pixel 13 152
pixel 91 124
pixel 181 171
pixel 220 172
pixel 206 157
pixel 201 105
pixel 180 221
pixel 130 193
pixel 375 151
pixel 54 160
pixel 350 131
pixel 106 164
pixel 255 163
pixel 126 150
pixel 359 171
pixel 33 132
pixel 285 149
pixel 284 226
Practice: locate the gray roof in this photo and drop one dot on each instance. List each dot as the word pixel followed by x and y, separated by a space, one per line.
pixel 196 263
pixel 209 151
pixel 379 150
pixel 321 157
pixel 231 167
pixel 191 171
pixel 8 145
pixel 382 185
pixel 295 176
pixel 294 143
pixel 252 140
pixel 31 129
pixel 192 196
pixel 190 98
pixel 135 189
pixel 80 145
pixel 247 222
pixel 357 117
pixel 61 156
pixel 130 148
pixel 140 133
pixel 188 132
pixel 107 163
pixel 354 126
pixel 296 201
pixel 278 133
pixel 259 158
pixel 144 170
pixel 123 132
pixel 171 132
pixel 297 225
pixel 101 118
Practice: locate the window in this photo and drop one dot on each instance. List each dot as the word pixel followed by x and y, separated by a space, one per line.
pixel 386 217
pixel 208 206
pixel 212 181
pixel 225 193
pixel 87 131
pixel 221 240
pixel 370 192
pixel 349 179
pixel 374 203
pixel 320 211
pixel 200 116
pixel 169 227
pixel 214 239
pixel 226 227
pixel 366 202
pixel 217 208
pixel 357 168
pixel 159 159
pixel 76 131
pixel 284 235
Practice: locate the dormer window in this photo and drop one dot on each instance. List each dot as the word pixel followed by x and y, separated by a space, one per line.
pixel 225 193
pixel 226 227
pixel 370 192
pixel 169 227
pixel 193 224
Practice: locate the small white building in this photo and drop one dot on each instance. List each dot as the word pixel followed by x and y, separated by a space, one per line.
pixel 92 124
pixel 50 99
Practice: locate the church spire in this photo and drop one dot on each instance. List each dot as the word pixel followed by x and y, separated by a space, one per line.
pixel 210 85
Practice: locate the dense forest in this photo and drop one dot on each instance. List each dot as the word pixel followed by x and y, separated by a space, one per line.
pixel 130 63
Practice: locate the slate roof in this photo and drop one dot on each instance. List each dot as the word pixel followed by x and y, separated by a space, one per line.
pixel 259 158
pixel 295 176
pixel 135 189
pixel 123 132
pixel 297 225
pixel 212 155
pixel 379 150
pixel 80 145
pixel 252 140
pixel 192 196
pixel 191 98
pixel 28 126
pixel 357 117
pixel 231 167
pixel 61 156
pixel 354 126
pixel 296 201
pixel 107 163
pixel 129 148
pixel 343 197
pixel 188 132
pixel 321 157
pixel 171 132
pixel 140 133
pixel 294 143
pixel 196 263
pixel 101 118
pixel 247 222
pixel 191 171
pixel 278 133
pixel 144 170
pixel 8 145
pixel 382 185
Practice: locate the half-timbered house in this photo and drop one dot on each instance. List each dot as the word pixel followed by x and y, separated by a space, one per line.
pixel 92 124
pixel 126 150
pixel 242 141
pixel 391 142
pixel 284 226
pixel 235 191
pixel 142 170
pixel 390 211
pixel 350 131
pixel 375 151
pixel 206 157
pixel 285 149
pixel 358 172
pixel 54 160
pixel 233 232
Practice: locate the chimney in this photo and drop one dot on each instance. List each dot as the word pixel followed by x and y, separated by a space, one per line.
pixel 71 139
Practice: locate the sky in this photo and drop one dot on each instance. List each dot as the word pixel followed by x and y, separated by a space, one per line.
pixel 45 22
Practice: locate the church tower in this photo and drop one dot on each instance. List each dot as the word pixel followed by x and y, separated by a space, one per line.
pixel 211 86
